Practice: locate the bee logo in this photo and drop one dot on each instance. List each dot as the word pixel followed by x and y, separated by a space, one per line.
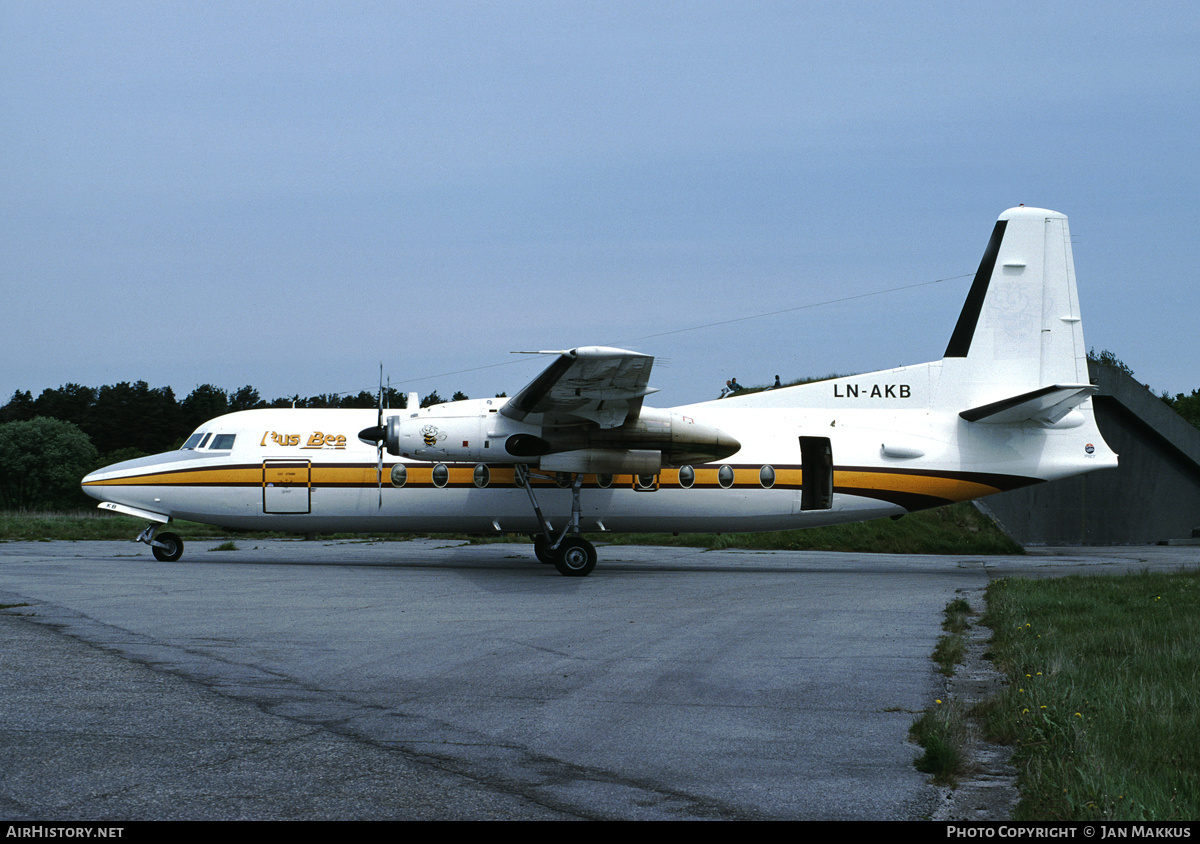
pixel 432 435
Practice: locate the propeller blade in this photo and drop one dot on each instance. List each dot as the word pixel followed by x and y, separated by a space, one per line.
pixel 379 440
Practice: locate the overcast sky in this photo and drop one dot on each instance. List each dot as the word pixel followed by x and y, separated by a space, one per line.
pixel 287 195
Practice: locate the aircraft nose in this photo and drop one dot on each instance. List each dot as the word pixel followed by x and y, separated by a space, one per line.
pixel 89 481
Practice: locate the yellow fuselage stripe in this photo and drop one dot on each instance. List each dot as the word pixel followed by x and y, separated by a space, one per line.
pixel 421 475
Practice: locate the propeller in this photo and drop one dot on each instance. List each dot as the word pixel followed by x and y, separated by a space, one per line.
pixel 379 441
pixel 377 435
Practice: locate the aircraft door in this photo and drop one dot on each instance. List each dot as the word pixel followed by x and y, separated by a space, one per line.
pixel 816 456
pixel 287 485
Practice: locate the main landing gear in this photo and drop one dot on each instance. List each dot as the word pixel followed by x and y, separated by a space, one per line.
pixel 167 547
pixel 572 555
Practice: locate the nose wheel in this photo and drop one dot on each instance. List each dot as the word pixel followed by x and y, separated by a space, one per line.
pixel 167 547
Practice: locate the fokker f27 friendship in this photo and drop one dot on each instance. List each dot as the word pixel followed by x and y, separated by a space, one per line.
pixel 577 451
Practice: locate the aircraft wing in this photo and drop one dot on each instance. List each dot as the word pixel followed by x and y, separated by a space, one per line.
pixel 592 383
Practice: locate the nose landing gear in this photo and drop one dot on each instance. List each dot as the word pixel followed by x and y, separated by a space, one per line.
pixel 167 547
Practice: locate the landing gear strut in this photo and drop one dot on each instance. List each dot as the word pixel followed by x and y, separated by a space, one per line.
pixel 571 554
pixel 167 547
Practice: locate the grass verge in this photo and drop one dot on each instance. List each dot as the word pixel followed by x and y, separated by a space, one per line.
pixel 942 730
pixel 951 649
pixel 1102 701
pixel 86 525
pixel 956 529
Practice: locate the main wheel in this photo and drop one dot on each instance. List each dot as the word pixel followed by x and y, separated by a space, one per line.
pixel 172 548
pixel 576 557
pixel 542 550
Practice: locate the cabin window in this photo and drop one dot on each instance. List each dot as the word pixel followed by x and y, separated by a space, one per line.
pixel 192 441
pixel 766 477
pixel 399 475
pixel 645 483
pixel 687 477
pixel 604 481
pixel 482 475
pixel 725 476
pixel 562 479
pixel 223 442
pixel 441 475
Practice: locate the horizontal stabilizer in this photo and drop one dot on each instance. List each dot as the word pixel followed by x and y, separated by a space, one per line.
pixel 1047 405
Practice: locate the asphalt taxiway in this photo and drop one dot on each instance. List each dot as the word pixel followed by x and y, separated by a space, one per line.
pixel 436 680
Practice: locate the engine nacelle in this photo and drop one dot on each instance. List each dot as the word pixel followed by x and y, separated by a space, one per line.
pixel 443 438
pixel 604 461
pixel 475 432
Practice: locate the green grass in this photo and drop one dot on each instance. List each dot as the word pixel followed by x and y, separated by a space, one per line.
pixel 956 529
pixel 949 652
pixel 1103 695
pixel 941 731
pixel 951 649
pixel 958 614
pixel 47 526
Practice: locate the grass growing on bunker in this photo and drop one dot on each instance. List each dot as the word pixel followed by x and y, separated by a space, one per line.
pixel 1103 695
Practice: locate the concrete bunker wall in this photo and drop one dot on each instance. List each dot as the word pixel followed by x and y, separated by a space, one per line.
pixel 1153 497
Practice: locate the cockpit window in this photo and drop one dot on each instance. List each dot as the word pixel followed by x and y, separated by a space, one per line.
pixel 203 441
pixel 223 442
pixel 192 442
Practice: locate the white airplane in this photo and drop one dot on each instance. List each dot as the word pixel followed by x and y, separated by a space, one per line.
pixel 1008 405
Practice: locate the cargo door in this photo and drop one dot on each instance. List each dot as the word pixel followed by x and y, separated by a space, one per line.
pixel 287 485
pixel 816 455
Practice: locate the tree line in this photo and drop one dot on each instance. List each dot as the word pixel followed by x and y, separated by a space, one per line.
pixel 139 418
pixel 48 443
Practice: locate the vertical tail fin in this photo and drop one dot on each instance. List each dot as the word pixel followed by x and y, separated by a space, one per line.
pixel 1019 331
